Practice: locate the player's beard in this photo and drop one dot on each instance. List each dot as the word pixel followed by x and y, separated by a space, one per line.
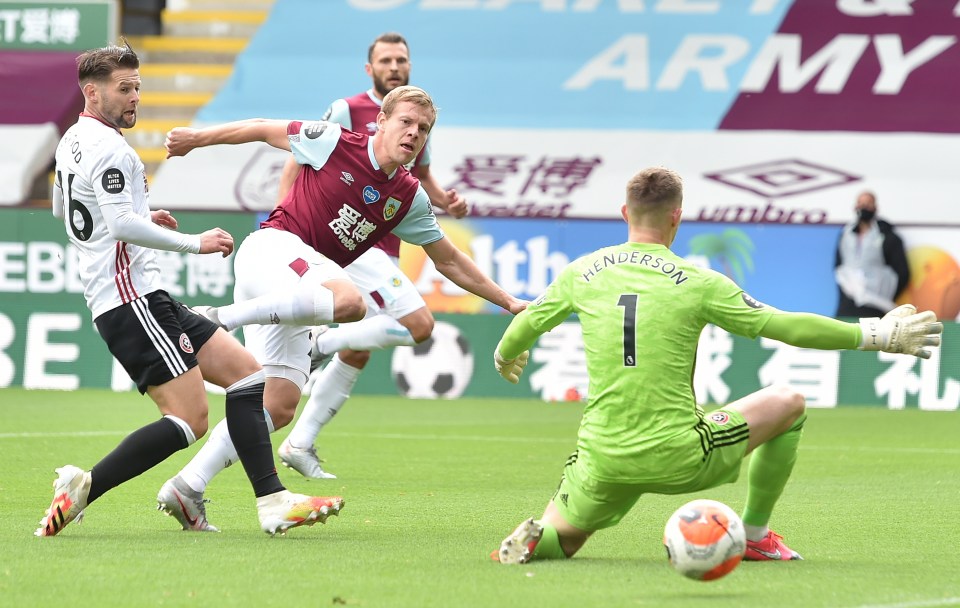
pixel 125 121
pixel 119 118
pixel 381 86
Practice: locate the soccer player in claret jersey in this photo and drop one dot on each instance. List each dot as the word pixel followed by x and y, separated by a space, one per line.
pixel 353 189
pixel 167 349
pixel 642 308
pixel 396 312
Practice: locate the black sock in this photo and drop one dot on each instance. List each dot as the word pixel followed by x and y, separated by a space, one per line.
pixel 140 451
pixel 250 436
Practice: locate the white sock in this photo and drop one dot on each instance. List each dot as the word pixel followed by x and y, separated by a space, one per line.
pixel 329 393
pixel 216 454
pixel 755 533
pixel 373 333
pixel 308 304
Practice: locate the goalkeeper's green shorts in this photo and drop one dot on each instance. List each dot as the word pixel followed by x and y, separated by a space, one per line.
pixel 589 504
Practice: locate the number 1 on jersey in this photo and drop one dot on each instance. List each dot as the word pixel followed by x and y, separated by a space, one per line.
pixel 629 303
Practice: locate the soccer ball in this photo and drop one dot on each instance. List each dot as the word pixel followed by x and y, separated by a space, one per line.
pixel 705 540
pixel 439 367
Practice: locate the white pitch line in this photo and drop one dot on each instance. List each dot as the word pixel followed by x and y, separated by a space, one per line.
pixel 947 601
pixel 44 435
pixel 854 448
pixel 482 438
pixel 404 436
pixel 491 438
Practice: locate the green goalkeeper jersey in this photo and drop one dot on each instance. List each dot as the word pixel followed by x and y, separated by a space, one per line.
pixel 642 308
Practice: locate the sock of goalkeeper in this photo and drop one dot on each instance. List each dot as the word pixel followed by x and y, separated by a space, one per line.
pixel 770 468
pixel 549 545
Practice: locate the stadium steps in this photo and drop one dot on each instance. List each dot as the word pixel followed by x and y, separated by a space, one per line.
pixel 184 68
pixel 219 5
pixel 195 77
pixel 177 105
pixel 152 155
pixel 212 23
pixel 150 132
pixel 187 49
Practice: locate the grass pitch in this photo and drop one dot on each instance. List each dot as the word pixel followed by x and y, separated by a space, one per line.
pixel 432 487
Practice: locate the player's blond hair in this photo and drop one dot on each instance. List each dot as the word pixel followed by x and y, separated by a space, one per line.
pixel 654 190
pixel 412 94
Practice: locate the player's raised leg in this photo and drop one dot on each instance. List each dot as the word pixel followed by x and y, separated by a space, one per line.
pixel 396 316
pixel 280 278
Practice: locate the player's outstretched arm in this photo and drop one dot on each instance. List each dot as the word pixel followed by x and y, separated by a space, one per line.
pixel 901 331
pixel 513 350
pixel 216 240
pixel 124 224
pixel 158 231
pixel 510 369
pixel 459 268
pixel 181 140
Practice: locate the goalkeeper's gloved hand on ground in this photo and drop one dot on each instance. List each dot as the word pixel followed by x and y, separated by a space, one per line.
pixel 902 330
pixel 510 369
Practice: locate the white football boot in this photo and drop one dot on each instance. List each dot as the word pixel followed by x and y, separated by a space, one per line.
pixel 302 460
pixel 184 504
pixel 519 546
pixel 283 510
pixel 70 491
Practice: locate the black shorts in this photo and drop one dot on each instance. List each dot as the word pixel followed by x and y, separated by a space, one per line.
pixel 155 338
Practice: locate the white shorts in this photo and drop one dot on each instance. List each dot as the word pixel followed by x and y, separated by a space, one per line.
pixel 385 288
pixel 271 260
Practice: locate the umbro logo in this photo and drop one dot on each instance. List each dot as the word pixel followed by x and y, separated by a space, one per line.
pixel 346 178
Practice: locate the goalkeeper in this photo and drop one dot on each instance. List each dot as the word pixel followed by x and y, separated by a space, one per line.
pixel 642 308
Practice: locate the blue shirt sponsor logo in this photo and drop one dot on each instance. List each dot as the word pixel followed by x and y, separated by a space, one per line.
pixel 370 195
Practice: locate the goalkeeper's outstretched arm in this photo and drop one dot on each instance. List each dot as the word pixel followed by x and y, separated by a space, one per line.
pixel 512 352
pixel 902 330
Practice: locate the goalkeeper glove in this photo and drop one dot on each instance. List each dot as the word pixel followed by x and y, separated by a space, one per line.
pixel 510 369
pixel 902 330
